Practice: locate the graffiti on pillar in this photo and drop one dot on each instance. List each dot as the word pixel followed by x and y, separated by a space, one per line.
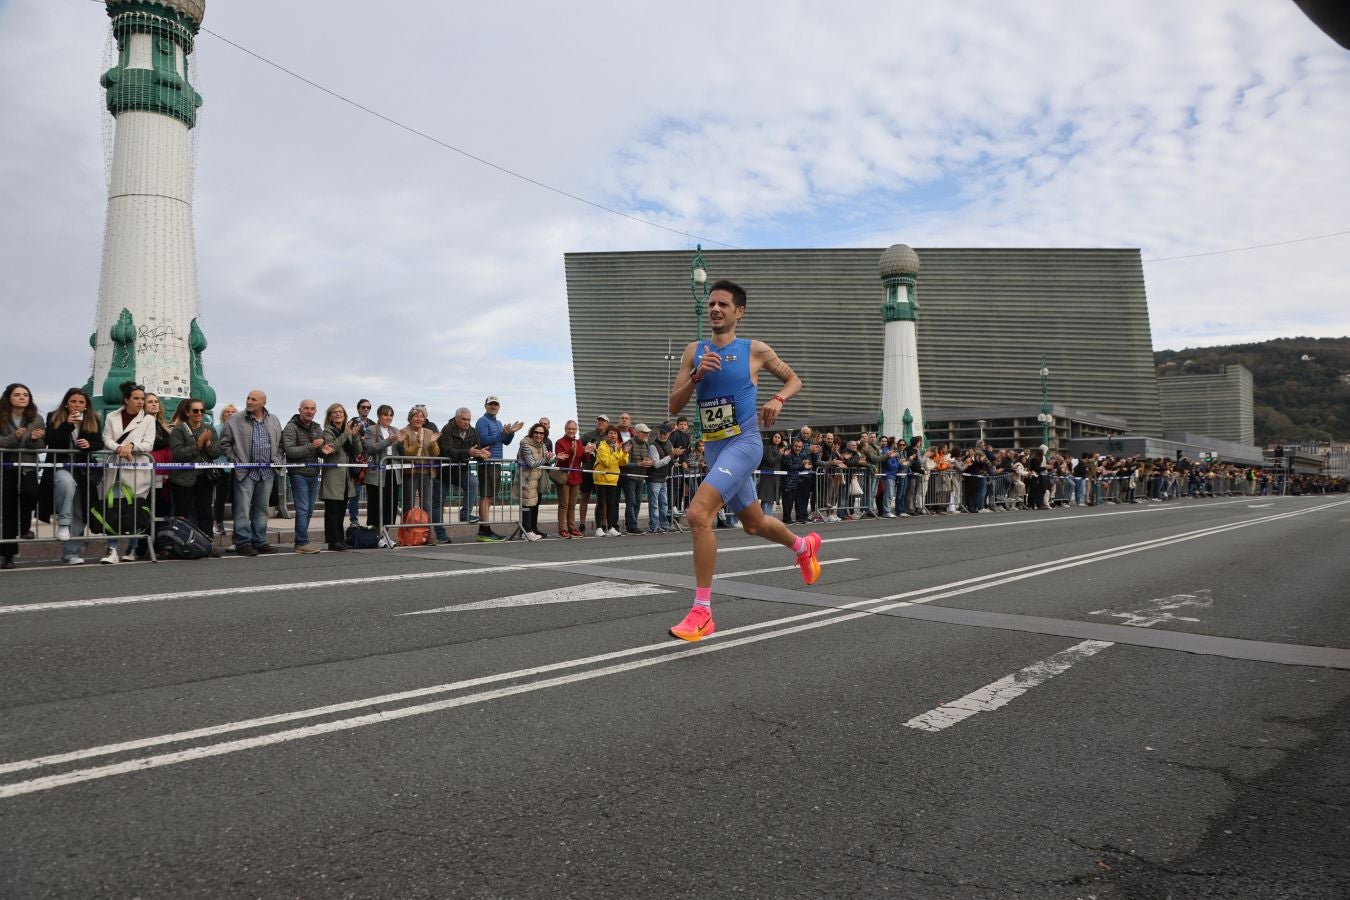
pixel 160 353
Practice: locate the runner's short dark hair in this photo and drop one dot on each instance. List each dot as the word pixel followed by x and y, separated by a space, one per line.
pixel 735 290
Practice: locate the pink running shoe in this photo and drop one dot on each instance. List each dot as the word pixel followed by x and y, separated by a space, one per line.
pixel 696 626
pixel 808 561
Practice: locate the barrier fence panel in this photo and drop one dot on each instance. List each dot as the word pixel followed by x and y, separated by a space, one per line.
pixel 1007 492
pixel 77 496
pixel 1061 490
pixel 941 489
pixel 420 498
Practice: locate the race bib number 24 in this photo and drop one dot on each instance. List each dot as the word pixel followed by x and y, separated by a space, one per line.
pixel 718 416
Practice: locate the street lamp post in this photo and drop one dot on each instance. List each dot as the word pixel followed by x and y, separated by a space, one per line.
pixel 698 287
pixel 1045 418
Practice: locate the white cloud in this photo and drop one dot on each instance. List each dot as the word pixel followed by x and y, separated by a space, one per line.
pixel 340 254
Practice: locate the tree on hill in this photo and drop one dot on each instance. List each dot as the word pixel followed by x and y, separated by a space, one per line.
pixel 1300 386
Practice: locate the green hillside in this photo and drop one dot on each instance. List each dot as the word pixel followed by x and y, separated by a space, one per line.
pixel 1296 399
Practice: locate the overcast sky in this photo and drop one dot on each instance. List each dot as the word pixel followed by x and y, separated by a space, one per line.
pixel 341 256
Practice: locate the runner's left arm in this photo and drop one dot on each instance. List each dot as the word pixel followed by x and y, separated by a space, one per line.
pixel 766 359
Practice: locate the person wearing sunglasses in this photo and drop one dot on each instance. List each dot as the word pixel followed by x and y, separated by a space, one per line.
pixel 192 440
pixel 367 423
pixel 531 456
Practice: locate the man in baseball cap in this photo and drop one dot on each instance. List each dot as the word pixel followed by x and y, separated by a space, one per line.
pixel 659 451
pixel 493 435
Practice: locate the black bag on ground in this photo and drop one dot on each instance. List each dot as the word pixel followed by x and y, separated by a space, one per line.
pixel 177 538
pixel 120 511
pixel 359 538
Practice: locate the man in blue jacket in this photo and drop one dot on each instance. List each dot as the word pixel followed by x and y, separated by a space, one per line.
pixel 492 436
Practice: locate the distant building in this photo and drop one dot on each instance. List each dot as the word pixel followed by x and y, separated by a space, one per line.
pixel 1216 405
pixel 1018 426
pixel 986 317
pixel 1335 455
pixel 1172 445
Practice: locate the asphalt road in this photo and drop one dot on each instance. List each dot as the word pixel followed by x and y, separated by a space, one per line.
pixel 1126 702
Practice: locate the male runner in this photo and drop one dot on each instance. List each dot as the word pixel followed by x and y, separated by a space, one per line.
pixel 722 373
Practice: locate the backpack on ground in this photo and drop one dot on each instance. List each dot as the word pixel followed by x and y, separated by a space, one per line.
pixel 177 538
pixel 414 537
pixel 359 538
pixel 120 511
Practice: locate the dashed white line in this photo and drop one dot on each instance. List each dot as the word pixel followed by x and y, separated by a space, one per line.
pixel 1005 690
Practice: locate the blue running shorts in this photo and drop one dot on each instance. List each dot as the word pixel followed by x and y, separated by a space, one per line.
pixel 731 468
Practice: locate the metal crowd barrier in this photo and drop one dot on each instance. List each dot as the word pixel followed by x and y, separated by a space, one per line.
pixel 75 489
pixel 942 490
pixel 1006 492
pixel 451 494
pixel 1061 490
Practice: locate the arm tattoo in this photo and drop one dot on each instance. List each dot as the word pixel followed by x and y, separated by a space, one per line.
pixel 778 369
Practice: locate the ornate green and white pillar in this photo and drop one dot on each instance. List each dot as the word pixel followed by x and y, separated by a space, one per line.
pixel 149 257
pixel 900 400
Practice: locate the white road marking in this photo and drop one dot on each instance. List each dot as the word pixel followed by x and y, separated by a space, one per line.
pixel 787 626
pixel 600 590
pixel 493 570
pixel 1134 620
pixel 49 782
pixel 1005 690
pixel 1259 505
pixel 1158 610
pixel 791 568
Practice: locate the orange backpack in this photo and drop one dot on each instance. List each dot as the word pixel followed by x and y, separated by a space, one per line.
pixel 414 537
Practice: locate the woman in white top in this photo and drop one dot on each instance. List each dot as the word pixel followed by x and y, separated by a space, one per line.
pixel 126 432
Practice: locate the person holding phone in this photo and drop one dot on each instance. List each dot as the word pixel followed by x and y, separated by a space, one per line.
pixel 75 425
pixel 721 374
pixel 21 428
pixel 192 440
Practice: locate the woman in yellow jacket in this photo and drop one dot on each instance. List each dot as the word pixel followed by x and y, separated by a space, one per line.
pixel 610 457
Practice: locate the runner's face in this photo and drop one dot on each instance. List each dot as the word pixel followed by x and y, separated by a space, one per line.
pixel 723 312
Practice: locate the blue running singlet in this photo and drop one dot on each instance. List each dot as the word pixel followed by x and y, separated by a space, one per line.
pixel 728 411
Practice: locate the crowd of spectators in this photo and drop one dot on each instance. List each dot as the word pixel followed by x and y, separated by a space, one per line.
pixel 59 466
